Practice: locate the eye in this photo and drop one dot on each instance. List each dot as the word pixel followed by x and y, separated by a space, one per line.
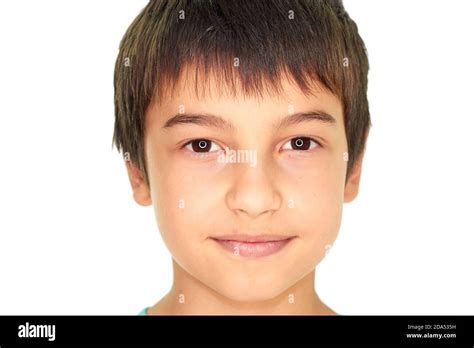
pixel 300 143
pixel 202 146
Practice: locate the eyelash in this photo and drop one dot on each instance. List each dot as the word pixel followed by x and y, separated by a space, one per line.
pixel 200 154
pixel 205 154
pixel 302 137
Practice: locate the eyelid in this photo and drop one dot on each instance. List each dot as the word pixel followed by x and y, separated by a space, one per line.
pixel 206 154
pixel 318 143
pixel 201 154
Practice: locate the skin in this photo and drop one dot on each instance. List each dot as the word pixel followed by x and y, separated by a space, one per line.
pixel 289 192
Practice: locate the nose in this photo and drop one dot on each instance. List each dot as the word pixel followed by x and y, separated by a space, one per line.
pixel 253 192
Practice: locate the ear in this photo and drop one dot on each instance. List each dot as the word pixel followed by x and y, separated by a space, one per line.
pixel 352 186
pixel 141 191
pixel 353 181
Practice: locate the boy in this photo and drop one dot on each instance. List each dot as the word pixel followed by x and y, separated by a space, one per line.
pixel 244 124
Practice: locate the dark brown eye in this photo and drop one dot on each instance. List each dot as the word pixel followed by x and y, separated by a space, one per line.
pixel 202 146
pixel 300 143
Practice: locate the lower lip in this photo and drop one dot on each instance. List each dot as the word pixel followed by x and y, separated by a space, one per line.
pixel 253 249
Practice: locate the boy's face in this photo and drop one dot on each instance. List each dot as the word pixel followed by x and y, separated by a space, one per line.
pixel 293 189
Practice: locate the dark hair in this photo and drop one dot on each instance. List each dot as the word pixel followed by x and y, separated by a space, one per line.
pixel 310 41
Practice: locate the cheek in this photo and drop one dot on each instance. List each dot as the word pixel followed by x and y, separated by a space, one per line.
pixel 317 209
pixel 183 206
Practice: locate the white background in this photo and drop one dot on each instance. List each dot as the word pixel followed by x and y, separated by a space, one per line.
pixel 73 241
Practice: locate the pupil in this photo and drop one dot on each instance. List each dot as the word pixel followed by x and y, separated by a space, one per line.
pixel 201 145
pixel 301 143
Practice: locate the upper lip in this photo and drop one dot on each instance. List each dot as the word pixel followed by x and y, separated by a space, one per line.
pixel 253 238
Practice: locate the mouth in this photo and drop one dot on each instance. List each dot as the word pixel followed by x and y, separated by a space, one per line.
pixel 253 246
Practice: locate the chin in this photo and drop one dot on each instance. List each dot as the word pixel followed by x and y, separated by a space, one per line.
pixel 248 290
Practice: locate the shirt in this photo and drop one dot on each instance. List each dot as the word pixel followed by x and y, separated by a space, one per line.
pixel 143 311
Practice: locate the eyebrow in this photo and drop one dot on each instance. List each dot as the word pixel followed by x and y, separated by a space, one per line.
pixel 207 120
pixel 307 116
pixel 214 121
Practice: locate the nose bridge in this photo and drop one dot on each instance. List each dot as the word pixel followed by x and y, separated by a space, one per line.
pixel 253 191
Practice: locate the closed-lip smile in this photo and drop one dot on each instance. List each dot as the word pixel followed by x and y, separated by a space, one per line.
pixel 252 245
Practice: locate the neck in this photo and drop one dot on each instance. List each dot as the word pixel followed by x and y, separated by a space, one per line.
pixel 189 296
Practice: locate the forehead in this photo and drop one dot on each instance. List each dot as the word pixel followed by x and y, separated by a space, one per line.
pixel 193 92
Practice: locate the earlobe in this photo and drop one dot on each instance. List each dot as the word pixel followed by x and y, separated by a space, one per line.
pixel 352 186
pixel 141 191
